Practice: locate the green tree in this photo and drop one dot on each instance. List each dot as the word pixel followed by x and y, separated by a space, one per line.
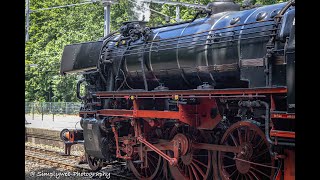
pixel 50 31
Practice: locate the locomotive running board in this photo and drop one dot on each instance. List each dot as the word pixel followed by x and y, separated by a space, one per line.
pixel 254 92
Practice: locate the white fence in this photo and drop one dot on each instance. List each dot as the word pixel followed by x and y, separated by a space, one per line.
pixel 52 107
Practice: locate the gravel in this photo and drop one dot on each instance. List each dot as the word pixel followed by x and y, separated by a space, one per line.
pixel 40 171
pixel 54 148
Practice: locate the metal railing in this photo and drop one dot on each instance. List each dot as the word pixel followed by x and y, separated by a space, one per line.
pixel 52 107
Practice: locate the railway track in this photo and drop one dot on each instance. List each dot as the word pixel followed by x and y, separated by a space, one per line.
pixel 43 136
pixel 54 158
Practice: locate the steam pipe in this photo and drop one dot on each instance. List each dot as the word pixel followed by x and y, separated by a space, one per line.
pixel 141 59
pixel 258 103
pixel 111 81
pixel 110 87
pixel 278 17
pixel 106 40
pixel 78 89
pixel 284 9
pixel 267 123
pixel 121 62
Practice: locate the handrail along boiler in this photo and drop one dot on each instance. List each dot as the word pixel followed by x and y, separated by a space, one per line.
pixel 209 98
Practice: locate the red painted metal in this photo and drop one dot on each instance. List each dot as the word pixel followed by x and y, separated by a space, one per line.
pixel 273 104
pixel 156 114
pixel 284 134
pixel 172 161
pixel 135 104
pixel 81 113
pixel 116 112
pixel 166 145
pixel 215 147
pixel 205 116
pixel 116 137
pixel 283 115
pixel 279 176
pixel 139 113
pixel 289 165
pixel 70 136
pixel 180 145
pixel 199 116
pixel 252 148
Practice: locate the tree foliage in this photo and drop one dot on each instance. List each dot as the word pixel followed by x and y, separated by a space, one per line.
pixel 50 30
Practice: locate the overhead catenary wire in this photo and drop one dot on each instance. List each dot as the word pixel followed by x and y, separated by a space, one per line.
pixel 47 54
pixel 28 11
pixel 177 3
pixel 63 6
pixel 71 5
pixel 152 10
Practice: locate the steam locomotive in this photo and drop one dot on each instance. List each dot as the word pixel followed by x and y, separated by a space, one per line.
pixel 209 98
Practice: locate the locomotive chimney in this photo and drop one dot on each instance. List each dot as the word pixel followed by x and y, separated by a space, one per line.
pixel 219 6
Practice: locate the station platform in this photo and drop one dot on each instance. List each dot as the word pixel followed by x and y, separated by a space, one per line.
pixel 56 122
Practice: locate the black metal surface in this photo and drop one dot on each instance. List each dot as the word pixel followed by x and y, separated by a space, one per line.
pixel 290 58
pixel 184 56
pixel 286 26
pixel 80 57
pixel 95 140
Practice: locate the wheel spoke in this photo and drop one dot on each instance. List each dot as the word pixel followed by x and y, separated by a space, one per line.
pixel 259 143
pixel 237 176
pixel 148 172
pixel 145 172
pixel 199 162
pixel 254 174
pixel 228 157
pixel 150 162
pixel 260 172
pixel 190 173
pixel 185 168
pixel 261 164
pixel 234 139
pixel 250 177
pixel 239 136
pixel 253 136
pixel 153 156
pixel 196 164
pixel 198 168
pixel 195 173
pixel 233 173
pixel 232 165
pixel 246 134
pixel 260 154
